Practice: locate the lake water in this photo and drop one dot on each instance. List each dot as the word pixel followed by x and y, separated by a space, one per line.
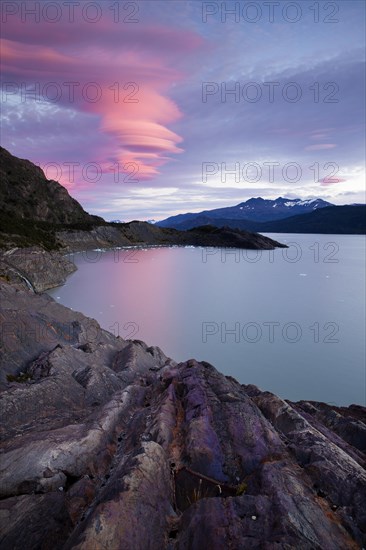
pixel 291 321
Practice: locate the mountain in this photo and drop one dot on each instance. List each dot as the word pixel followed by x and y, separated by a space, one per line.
pixel 255 209
pixel 278 216
pixel 40 212
pixel 331 220
pixel 33 207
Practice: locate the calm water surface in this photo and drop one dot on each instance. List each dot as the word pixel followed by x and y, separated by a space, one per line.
pixel 290 321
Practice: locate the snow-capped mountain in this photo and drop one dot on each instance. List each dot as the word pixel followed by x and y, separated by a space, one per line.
pixel 258 209
pixel 255 209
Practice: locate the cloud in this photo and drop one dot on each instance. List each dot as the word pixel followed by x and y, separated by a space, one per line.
pixel 331 181
pixel 121 78
pixel 161 62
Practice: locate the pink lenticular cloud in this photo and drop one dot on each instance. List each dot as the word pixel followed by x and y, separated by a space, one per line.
pixel 121 81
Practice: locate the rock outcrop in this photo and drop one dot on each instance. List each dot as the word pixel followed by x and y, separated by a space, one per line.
pixel 35 268
pixel 108 444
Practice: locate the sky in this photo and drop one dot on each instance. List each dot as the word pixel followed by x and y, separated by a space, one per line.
pixel 147 109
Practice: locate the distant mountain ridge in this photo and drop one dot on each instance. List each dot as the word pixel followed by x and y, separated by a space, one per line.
pixel 278 216
pixel 255 209
pixel 331 220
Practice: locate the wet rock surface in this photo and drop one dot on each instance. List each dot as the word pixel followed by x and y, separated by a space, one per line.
pixel 109 444
pixel 35 268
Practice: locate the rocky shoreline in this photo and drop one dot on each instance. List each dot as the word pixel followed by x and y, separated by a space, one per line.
pixel 108 444
pixel 39 269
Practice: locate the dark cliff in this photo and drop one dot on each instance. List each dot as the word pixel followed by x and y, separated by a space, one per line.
pixel 26 193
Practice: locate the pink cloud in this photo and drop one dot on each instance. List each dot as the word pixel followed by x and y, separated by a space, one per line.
pixel 132 72
pixel 321 134
pixel 80 33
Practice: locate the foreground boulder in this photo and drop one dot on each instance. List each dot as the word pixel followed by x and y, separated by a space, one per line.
pixel 109 444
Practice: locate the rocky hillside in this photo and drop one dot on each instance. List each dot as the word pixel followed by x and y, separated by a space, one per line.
pixel 33 208
pixel 107 443
pixel 40 212
pixel 26 193
pixel 142 233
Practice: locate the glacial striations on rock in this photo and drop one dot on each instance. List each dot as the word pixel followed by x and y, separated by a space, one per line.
pixel 108 444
